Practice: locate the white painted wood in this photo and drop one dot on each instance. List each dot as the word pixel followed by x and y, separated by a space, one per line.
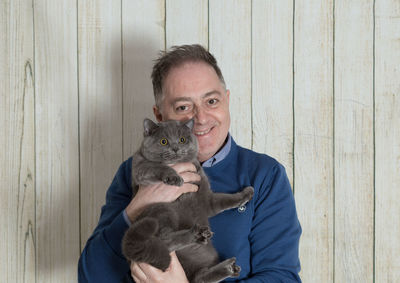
pixel 143 25
pixel 354 151
pixel 186 22
pixel 387 141
pixel 100 105
pixel 272 80
pixel 57 154
pixel 230 43
pixel 39 172
pixel 17 154
pixel 313 150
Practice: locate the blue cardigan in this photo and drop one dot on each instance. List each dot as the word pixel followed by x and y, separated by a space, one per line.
pixel 263 236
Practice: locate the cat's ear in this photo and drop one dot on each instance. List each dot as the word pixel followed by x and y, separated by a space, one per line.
pixel 149 126
pixel 189 124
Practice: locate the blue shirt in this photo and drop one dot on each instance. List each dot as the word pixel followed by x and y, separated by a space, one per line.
pixel 220 155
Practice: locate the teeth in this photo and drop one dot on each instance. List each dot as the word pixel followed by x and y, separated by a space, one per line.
pixel 202 133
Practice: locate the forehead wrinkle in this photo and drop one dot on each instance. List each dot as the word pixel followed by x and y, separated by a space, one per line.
pixel 210 93
pixel 182 98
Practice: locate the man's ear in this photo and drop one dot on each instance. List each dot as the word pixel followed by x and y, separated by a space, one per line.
pixel 149 126
pixel 157 113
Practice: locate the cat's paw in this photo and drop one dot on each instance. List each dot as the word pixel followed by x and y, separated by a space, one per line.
pixel 248 194
pixel 233 269
pixel 172 179
pixel 202 234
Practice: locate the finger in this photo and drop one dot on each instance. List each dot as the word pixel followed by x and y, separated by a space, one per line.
pixel 147 268
pixel 190 177
pixel 137 273
pixel 176 266
pixel 174 258
pixel 184 167
pixel 188 188
pixel 137 280
pixel 152 274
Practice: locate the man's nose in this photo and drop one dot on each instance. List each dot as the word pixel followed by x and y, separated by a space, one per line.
pixel 200 115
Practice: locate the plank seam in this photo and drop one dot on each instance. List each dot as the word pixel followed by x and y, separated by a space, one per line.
pixel 79 126
pixel 374 146
pixel 251 76
pixel 34 133
pixel 122 84
pixel 333 145
pixel 165 25
pixel 293 95
pixel 208 25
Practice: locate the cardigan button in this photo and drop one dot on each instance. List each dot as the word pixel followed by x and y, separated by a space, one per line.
pixel 242 208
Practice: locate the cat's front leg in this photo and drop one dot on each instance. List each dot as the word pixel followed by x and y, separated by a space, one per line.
pixel 170 177
pixel 220 201
pixel 145 173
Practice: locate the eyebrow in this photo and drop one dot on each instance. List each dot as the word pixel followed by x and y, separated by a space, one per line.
pixel 188 98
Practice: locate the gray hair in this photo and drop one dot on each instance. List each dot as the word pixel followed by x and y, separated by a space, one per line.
pixel 175 57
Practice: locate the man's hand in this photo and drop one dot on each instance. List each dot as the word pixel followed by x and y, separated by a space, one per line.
pixel 161 192
pixel 143 272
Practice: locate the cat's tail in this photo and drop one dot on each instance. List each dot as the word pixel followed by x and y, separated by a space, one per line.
pixel 140 244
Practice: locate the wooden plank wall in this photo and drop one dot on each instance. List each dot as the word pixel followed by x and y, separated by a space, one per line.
pixel 313 83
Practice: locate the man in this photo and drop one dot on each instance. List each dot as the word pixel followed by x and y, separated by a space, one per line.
pixel 263 235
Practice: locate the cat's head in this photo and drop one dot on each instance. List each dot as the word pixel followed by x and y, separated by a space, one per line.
pixel 169 142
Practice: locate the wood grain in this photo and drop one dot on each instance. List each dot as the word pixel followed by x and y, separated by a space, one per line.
pixel 57 143
pixel 354 151
pixel 17 143
pixel 272 80
pixel 313 150
pixel 387 141
pixel 313 83
pixel 186 22
pixel 230 42
pixel 100 105
pixel 143 37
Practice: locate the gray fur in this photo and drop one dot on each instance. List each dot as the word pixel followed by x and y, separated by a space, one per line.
pixel 182 225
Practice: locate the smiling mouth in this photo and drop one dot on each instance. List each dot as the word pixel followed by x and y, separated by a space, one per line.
pixel 202 133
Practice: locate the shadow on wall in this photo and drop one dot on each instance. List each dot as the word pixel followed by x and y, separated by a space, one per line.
pixel 115 95
pixel 113 103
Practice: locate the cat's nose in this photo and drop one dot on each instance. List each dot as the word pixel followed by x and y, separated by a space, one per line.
pixel 175 149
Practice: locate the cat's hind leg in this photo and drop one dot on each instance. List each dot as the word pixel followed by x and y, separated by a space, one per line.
pixel 184 238
pixel 217 273
pixel 220 201
pixel 140 244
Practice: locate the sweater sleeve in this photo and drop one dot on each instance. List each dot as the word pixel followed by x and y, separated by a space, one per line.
pixel 102 259
pixel 275 258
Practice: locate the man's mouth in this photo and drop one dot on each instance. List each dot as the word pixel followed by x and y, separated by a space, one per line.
pixel 202 133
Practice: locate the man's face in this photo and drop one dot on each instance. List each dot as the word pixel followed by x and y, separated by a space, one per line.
pixel 193 90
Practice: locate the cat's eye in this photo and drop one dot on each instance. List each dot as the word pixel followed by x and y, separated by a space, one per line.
pixel 182 140
pixel 163 141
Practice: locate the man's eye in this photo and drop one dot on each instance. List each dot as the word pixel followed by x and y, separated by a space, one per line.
pixel 213 101
pixel 182 108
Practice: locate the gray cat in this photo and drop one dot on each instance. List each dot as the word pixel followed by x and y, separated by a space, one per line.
pixel 182 225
